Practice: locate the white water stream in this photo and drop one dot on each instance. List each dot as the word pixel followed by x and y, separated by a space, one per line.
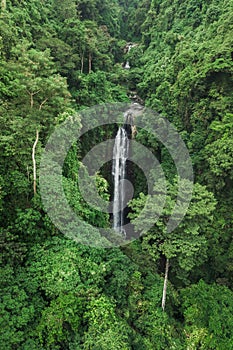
pixel 120 155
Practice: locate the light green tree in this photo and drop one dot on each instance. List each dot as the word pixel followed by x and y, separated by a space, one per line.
pixel 186 246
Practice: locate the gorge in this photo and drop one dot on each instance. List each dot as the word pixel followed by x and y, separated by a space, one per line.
pixel 59 59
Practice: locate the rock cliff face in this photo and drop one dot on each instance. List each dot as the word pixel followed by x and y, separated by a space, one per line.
pixel 135 98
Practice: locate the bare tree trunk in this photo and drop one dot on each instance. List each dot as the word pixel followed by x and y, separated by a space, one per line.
pixel 3 5
pixel 82 63
pixel 90 62
pixel 34 161
pixel 165 284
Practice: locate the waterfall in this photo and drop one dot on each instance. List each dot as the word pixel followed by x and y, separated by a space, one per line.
pixel 128 48
pixel 120 155
pixel 127 66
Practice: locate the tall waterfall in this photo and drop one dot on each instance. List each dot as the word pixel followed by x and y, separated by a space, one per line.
pixel 120 155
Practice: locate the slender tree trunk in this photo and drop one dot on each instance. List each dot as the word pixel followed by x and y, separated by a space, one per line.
pixel 31 94
pixel 3 5
pixel 82 63
pixel 34 161
pixel 90 62
pixel 165 284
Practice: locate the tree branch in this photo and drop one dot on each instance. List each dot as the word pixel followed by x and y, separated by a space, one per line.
pixel 31 94
pixel 42 103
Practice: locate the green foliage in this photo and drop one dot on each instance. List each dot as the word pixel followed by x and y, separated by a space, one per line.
pixel 72 278
pixel 19 310
pixel 207 312
pixel 187 244
pixel 13 251
pixel 158 329
pixel 57 57
pixel 95 88
pixel 219 152
pixel 106 330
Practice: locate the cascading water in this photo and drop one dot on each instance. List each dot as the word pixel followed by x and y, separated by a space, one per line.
pixel 129 47
pixel 123 192
pixel 120 155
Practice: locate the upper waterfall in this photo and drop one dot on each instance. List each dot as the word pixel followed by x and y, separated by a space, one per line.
pixel 128 47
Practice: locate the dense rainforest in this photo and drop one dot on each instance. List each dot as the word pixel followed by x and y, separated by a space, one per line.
pixel 58 58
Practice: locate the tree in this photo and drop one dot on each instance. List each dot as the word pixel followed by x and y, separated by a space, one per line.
pixel 207 310
pixel 105 329
pixel 186 246
pixel 219 152
pixel 34 95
